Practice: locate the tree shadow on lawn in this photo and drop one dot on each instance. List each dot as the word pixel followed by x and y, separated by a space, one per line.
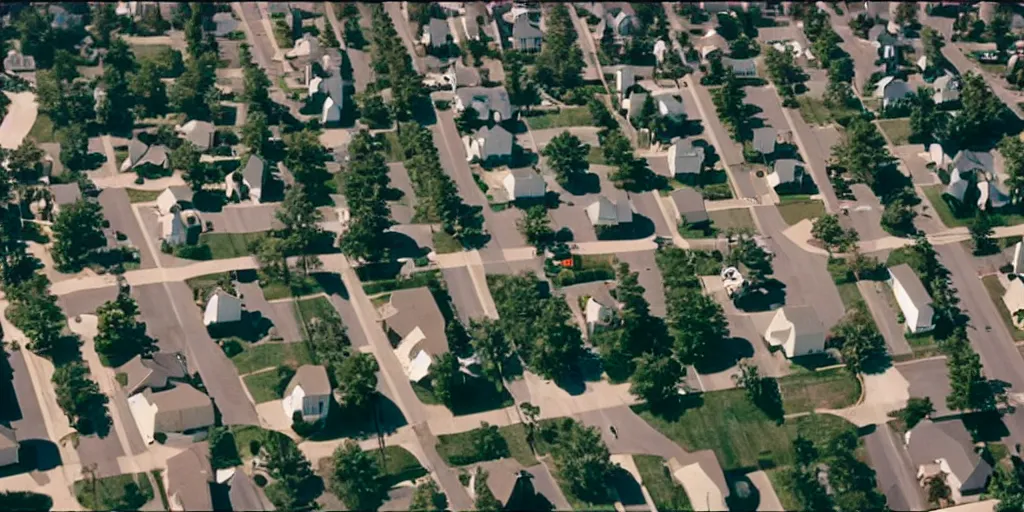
pixel 726 355
pixel 985 426
pixel 401 245
pixel 641 227
pixel 331 283
pixel 627 488
pixel 343 422
pixel 673 410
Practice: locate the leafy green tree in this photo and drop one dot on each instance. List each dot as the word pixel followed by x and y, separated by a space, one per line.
pixel 445 378
pixel 906 13
pixel 25 501
pixel 356 478
pixel 1012 149
pixel 971 390
pixel 862 152
pixel 925 120
pixel 560 61
pixel 291 471
pixel 762 391
pixel 838 95
pixel 74 146
pixel 306 159
pixel 149 90
pixel 567 156
pixel 536 227
pixel 656 379
pixel 491 346
pixel 559 347
pixel 23 162
pixel 104 22
pixel 77 231
pixel 858 339
pixel 981 115
pixel 428 498
pixel 270 252
pixel 981 234
pixel 583 461
pixel 697 324
pixel 256 90
pixel 916 410
pixel 121 336
pixel 485 500
pixel 35 36
pixel 190 91
pixel 119 57
pixel 374 112
pixel 366 183
pixel 831 234
pixel 357 380
pixel 1007 486
pixel 301 231
pixel 898 218
pixel 80 397
pixel 223 453
pixel 255 133
pixel 729 104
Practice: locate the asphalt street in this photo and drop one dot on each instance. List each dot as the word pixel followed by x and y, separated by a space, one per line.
pixel 118 210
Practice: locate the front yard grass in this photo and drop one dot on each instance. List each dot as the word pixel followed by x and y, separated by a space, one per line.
pixel 230 245
pixel 300 286
pixel 445 243
pixel 781 484
pixel 456 448
pixel 596 156
pixel 665 491
pixel 562 118
pixel 204 285
pixel 738 218
pixel 394 153
pixel 995 291
pixel 43 129
pixel 263 386
pixel 399 466
pixel 796 210
pixel 148 51
pixel 830 389
pixel 949 218
pixel 129 491
pixel 317 307
pixel 740 434
pixel 136 195
pixel 850 294
pixel 267 355
pixel 898 130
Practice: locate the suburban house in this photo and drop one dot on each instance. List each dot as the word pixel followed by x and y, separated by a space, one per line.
pixel 188 479
pixel 475 15
pixel 173 198
pixel 633 103
pixel 488 144
pixel 1018 258
pixel 990 194
pixel 945 448
pixel 182 408
pixel 689 205
pixel 309 394
pixel 62 19
pixel 524 183
pixel 490 103
pixel 64 194
pixel 703 479
pixel 600 308
pixel 797 330
pixel 625 78
pixel 521 488
pixel 946 88
pixel 249 182
pixel 139 154
pixel 764 140
pixel 1013 299
pixel 972 161
pixel 199 133
pixel 17 63
pixel 436 33
pixel 741 67
pixel 460 75
pixel 670 106
pixel 603 212
pixel 938 156
pixel 526 36
pixel 306 47
pixel 8 446
pixel 660 48
pixel 155 372
pixel 416 328
pixel 711 43
pixel 957 186
pixel 892 90
pixel 225 23
pixel 334 101
pixel 685 161
pixel 172 229
pixel 619 16
pixel 784 172
pixel 913 299
pixel 222 308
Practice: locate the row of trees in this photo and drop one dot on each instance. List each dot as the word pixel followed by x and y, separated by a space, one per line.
pixel 366 186
pixel 560 61
pixel 392 66
pixel 851 482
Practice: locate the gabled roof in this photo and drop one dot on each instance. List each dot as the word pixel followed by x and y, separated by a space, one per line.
pixel 151 372
pixel 136 149
pixel 416 308
pixel 18 62
pixel 495 99
pixel 671 105
pixel 892 88
pixel 253 172
pixel 690 204
pixel 929 441
pixel 524 29
pixel 438 30
pixel 525 175
pixel 911 284
pixel 1013 298
pixel 180 193
pixel 226 24
pixel 957 186
pixel 805 321
pixel 495 137
pixel 181 397
pixel 245 495
pixel 198 132
pixel 944 82
pixel 8 438
pixel 65 193
pixel 764 139
pixel 967 160
pixel 785 169
pixel 740 66
pixel 603 211
pixel 189 476
pixel 312 379
pixel 685 158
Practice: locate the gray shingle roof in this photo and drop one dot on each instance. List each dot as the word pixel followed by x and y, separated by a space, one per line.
pixel 414 308
pixel 65 193
pixel 524 29
pixel 179 398
pixel 245 495
pixel 690 204
pixel 8 437
pixel 672 105
pixel 966 161
pixel 189 476
pixel 804 319
pixel 253 172
pixel 312 379
pixel 949 440
pixel 152 372
pixel 764 139
pixel 911 284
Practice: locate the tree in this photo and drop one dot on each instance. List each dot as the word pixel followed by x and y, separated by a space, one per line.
pixel 25 501
pixel 826 229
pixel 445 378
pixel 491 346
pixel 190 90
pixel 301 231
pixel 898 218
pixel 916 410
pixel 729 104
pixel 428 497
pixel 23 162
pixel 981 234
pixel 77 231
pixel 290 469
pixel 567 155
pixel 121 336
pixel 255 132
pixel 748 253
pixel 256 91
pixel 522 92
pixel 697 324
pixel 485 500
pixel 74 147
pixel 862 151
pixel 925 120
pixel 656 379
pixel 583 461
pixel 971 390
pixel 536 227
pixel 932 43
pixel 858 339
pixel 356 478
pixel 762 391
pixel 357 380
pixel 556 351
pixel 305 158
pixel 270 252
pixel 374 112
pixel 1007 486
pixel 906 13
pixel 35 36
pixel 223 453
pixel 365 184
pixel 560 61
pixel 104 22
pixel 149 90
pixel 1012 149
pixel 980 117
pixel 80 397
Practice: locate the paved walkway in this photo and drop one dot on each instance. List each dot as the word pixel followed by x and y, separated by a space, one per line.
pixel 21 115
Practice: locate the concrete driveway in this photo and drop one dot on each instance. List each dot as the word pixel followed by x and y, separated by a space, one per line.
pixel 929 378
pixel 118 210
pixel 646 204
pixel 463 294
pixel 21 115
pixel 636 436
pixel 643 263
pixel 242 218
pixel 877 296
pixel 866 215
pixel 86 301
pixel 282 314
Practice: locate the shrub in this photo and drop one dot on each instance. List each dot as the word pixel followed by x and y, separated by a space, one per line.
pixel 259 480
pixel 194 252
pixel 231 347
pixel 160 437
pixel 302 427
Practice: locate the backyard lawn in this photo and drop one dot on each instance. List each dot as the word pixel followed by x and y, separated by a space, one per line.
pixel 445 243
pixel 267 355
pixel 813 110
pixel 230 245
pixel 274 290
pixel 780 482
pixel 830 389
pixel 394 153
pixel 740 434
pixel 114 492
pixel 794 210
pixel 849 293
pixel 562 118
pixel 738 218
pixel 996 291
pixel 263 386
pixel 147 51
pixel 204 285
pixel 458 449
pixel 317 307
pixel 665 491
pixel 136 195
pixel 596 156
pixel 898 130
pixel 42 130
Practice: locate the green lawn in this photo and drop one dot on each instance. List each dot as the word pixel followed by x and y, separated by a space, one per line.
pixel 831 389
pixel 266 355
pixel 996 291
pixel 158 476
pixel 263 386
pixel 43 129
pixel 898 130
pixel 230 245
pixel 114 492
pixel 394 153
pixel 665 491
pixel 780 482
pixel 796 210
pixel 740 434
pixel 146 51
pixel 273 290
pixel 247 434
pixel 400 465
pixel 596 156
pixel 142 196
pixel 317 307
pixel 813 110
pixel 738 218
pixel 849 293
pixel 445 243
pixel 204 285
pixel 563 118
pixel 459 447
pixel 949 218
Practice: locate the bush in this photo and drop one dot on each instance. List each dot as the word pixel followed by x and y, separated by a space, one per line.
pixel 259 480
pixel 302 427
pixel 160 437
pixel 194 252
pixel 231 347
pixel 716 191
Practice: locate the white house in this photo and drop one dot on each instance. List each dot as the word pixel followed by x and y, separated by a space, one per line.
pixel 182 408
pixel 1013 299
pixel 488 144
pixel 172 197
pixel 912 298
pixel 784 171
pixel 624 79
pixel 524 183
pixel 248 183
pixel 685 159
pixel 603 212
pixel 600 309
pixel 946 449
pixel 305 46
pixel 892 90
pixel 309 393
pixel 1018 258
pixel 946 88
pixel 8 446
pixel 222 308
pixel 797 330
pixel 172 229
pixel 741 67
pixel 703 480
pixel 416 325
pixel 660 47
pixel 937 155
